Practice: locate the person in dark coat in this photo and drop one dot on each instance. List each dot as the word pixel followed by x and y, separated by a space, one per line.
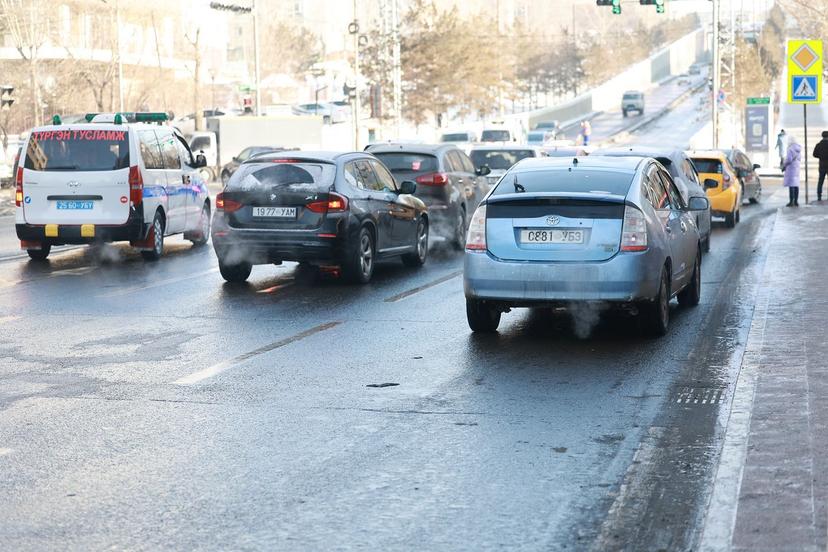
pixel 821 153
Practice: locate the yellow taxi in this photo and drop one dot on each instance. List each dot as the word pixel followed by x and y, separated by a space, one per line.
pixel 720 181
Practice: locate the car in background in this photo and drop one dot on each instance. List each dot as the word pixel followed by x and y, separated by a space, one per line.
pixel 540 137
pixel 205 143
pixel 318 208
pixel 500 158
pixel 446 179
pixel 566 151
pixel 233 165
pixel 595 231
pixel 458 137
pixel 330 113
pixel 632 100
pixel 746 171
pixel 108 180
pixel 683 79
pixel 683 172
pixel 497 134
pixel 721 182
pixel 696 68
pixel 553 125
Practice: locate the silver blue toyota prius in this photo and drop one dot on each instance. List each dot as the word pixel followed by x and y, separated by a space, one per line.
pixel 606 231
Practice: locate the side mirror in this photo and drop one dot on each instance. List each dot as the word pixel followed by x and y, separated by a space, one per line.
pixel 200 161
pixel 710 183
pixel 756 166
pixel 483 171
pixel 236 159
pixel 698 204
pixel 407 187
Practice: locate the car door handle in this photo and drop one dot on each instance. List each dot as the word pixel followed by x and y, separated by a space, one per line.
pixel 185 178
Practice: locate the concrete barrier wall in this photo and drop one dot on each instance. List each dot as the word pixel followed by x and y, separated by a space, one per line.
pixel 672 60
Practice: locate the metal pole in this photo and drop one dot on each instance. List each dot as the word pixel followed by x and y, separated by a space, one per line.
pixel 805 125
pixel 356 79
pixel 715 92
pixel 254 12
pixel 395 21
pixel 120 63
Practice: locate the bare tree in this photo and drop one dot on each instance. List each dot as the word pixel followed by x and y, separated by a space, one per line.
pixel 26 23
pixel 195 42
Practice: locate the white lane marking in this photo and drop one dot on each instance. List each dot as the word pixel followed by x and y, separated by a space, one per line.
pixel 5 451
pixel 216 369
pixel 158 283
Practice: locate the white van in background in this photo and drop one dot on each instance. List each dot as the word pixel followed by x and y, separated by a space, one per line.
pixel 110 179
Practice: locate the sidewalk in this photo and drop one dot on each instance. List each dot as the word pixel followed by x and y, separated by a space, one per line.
pixel 771 488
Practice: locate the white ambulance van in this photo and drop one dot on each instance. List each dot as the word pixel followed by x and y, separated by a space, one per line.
pixel 118 177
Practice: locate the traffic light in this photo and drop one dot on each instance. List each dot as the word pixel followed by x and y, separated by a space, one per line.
pixel 616 7
pixel 603 2
pixel 659 4
pixel 6 99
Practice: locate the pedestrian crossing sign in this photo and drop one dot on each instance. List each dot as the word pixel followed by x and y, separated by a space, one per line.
pixel 804 88
pixel 804 71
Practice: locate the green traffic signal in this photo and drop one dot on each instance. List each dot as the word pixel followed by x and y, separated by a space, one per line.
pixel 616 7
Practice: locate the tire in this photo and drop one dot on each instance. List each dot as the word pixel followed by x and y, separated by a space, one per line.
pixel 235 273
pixel 730 220
pixel 157 236
pixel 459 241
pixel 624 113
pixel 655 315
pixel 225 177
pixel 738 216
pixel 359 267
pixel 754 200
pixel 418 259
pixel 39 254
pixel 481 317
pixel 204 226
pixel 706 246
pixel 690 296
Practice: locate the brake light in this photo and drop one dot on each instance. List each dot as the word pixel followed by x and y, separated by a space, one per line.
pixel 136 185
pixel 433 179
pixel 725 181
pixel 334 204
pixel 634 232
pixel 18 185
pixel 476 236
pixel 226 205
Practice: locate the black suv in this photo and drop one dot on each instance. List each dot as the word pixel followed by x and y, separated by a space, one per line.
pixel 447 182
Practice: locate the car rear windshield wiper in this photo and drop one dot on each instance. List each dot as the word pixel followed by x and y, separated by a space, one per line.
pixel 518 188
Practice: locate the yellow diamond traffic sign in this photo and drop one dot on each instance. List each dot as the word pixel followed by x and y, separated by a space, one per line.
pixel 804 71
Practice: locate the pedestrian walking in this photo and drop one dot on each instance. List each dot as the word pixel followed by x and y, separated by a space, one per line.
pixel 821 153
pixel 790 166
pixel 782 146
pixel 586 132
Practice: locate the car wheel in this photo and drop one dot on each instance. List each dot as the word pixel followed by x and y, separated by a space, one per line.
pixel 459 241
pixel 225 177
pixel 730 220
pixel 706 247
pixel 235 273
pixel 481 316
pixel 157 238
pixel 691 294
pixel 203 227
pixel 755 199
pixel 655 315
pixel 624 113
pixel 738 216
pixel 360 265
pixel 419 257
pixel 39 254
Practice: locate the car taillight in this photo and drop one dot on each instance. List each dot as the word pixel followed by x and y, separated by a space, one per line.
pixel 634 232
pixel 725 182
pixel 433 179
pixel 476 236
pixel 334 204
pixel 136 185
pixel 18 185
pixel 226 205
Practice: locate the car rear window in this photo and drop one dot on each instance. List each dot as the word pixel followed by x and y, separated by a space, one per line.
pixel 78 150
pixel 499 159
pixel 456 137
pixel 495 136
pixel 398 162
pixel 632 96
pixel 311 177
pixel 559 180
pixel 200 143
pixel 708 165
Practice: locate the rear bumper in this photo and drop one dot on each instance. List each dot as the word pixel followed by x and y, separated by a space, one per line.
pixel 626 278
pixel 133 230
pixel 264 247
pixel 724 203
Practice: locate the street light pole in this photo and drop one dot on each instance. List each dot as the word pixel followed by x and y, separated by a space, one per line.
pixel 355 29
pixel 120 61
pixel 716 75
pixel 256 57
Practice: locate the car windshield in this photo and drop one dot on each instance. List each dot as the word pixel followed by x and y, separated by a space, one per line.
pixel 631 96
pixel 536 137
pixel 455 137
pixel 495 136
pixel 78 150
pixel 499 159
pixel 398 162
pixel 310 177
pixel 200 143
pixel 592 181
pixel 704 165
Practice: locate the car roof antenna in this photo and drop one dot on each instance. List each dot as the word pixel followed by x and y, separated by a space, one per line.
pixel 518 188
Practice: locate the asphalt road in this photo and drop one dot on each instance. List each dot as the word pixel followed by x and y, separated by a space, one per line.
pixel 150 406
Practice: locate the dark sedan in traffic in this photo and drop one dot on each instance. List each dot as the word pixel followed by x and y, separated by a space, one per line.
pixel 319 208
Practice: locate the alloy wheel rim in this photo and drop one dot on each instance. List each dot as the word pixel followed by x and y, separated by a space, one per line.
pixel 366 255
pixel 159 236
pixel 422 241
